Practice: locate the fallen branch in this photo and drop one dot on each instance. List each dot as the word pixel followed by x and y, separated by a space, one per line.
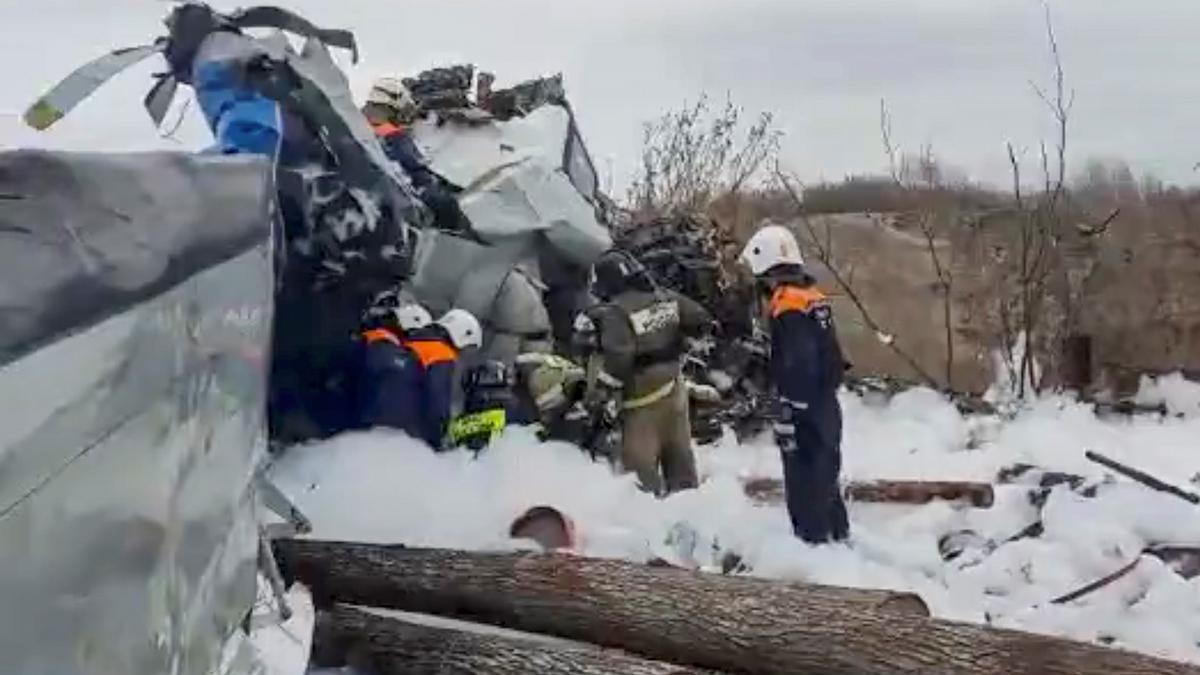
pixel 732 624
pixel 1142 477
pixel 390 646
pixel 1097 584
pixel 979 495
pixel 1185 561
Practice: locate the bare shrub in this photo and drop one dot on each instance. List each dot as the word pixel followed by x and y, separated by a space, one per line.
pixel 693 155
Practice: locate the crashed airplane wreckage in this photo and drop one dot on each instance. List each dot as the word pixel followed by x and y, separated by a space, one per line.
pixel 530 191
pixel 139 295
pixel 139 300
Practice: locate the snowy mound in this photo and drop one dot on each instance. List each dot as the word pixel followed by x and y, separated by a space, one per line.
pixel 382 487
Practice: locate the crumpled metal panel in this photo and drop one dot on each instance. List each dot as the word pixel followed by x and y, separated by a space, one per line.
pixel 515 181
pixel 129 440
pixel 533 196
pixel 462 154
pixel 84 236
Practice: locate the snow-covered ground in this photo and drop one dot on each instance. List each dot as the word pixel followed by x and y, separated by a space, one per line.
pixel 383 487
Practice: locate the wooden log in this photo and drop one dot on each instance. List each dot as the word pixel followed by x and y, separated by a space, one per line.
pixel 979 495
pixel 708 621
pixel 305 560
pixel 390 646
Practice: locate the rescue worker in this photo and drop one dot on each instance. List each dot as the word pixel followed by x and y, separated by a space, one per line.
pixel 388 378
pixel 639 343
pixel 551 388
pixel 487 402
pixel 806 371
pixel 391 110
pixel 437 350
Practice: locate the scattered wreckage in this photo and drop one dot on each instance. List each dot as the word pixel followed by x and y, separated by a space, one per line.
pixel 159 304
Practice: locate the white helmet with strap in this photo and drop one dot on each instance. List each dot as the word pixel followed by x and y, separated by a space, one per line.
pixel 390 92
pixel 771 246
pixel 463 328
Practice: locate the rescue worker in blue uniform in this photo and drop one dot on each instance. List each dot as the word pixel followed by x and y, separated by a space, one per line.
pixel 436 350
pixel 806 370
pixel 388 376
pixel 391 110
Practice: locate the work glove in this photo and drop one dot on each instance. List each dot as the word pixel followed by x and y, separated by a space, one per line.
pixel 702 392
pixel 785 424
pixel 189 25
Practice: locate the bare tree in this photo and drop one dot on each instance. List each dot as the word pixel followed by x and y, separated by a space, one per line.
pixel 920 181
pixel 692 155
pixel 821 244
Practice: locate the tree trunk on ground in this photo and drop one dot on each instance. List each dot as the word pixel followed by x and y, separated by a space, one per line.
pixel 708 621
pixel 386 646
pixel 980 495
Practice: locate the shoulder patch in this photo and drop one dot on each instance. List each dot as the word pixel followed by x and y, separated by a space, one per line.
pixel 658 316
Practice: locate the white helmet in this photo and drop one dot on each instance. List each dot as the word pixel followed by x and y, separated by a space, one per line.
pixel 390 92
pixel 770 246
pixel 411 316
pixel 463 327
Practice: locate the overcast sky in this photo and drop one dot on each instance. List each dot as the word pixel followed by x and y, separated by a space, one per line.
pixel 955 73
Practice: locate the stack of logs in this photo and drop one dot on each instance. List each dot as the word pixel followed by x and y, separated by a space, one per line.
pixel 616 617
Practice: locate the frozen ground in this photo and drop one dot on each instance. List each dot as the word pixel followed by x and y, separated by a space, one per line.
pixel 383 487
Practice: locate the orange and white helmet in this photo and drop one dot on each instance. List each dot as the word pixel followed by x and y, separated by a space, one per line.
pixel 771 246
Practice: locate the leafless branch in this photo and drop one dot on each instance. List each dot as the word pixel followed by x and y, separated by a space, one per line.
pixel 924 206
pixel 822 248
pixel 692 155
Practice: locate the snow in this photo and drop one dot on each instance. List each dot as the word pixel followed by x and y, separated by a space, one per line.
pixel 383 487
pixel 1180 396
pixel 282 647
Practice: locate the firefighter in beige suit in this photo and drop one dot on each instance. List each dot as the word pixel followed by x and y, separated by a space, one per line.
pixel 638 333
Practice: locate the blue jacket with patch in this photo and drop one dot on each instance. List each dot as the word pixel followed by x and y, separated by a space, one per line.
pixel 389 381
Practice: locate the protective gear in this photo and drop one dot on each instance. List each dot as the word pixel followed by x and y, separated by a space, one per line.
pixel 389 385
pixel 391 309
pixel 640 340
pixel 489 375
pixel 463 328
pixel 806 371
pixel 399 147
pixel 616 271
pixel 551 380
pixel 438 361
pixel 411 316
pixel 487 391
pixel 659 435
pixel 391 93
pixel 771 246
